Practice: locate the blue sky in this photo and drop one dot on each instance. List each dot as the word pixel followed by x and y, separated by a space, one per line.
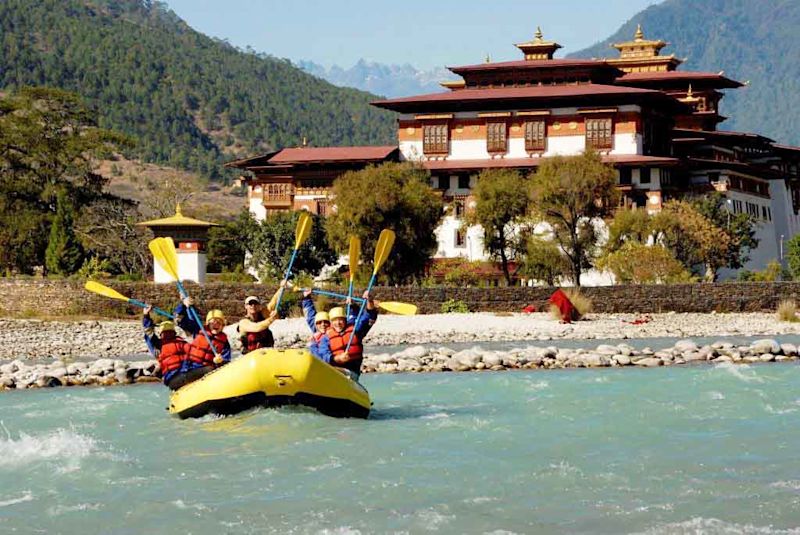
pixel 424 33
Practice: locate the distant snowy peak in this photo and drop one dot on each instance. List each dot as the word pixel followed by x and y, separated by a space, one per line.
pixel 380 79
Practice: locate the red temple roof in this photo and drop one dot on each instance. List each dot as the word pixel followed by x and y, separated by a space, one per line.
pixel 316 154
pixel 286 157
pixel 679 76
pixel 531 64
pixel 520 93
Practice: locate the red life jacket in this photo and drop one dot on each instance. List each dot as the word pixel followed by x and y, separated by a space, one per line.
pixel 200 352
pixel 172 354
pixel 253 341
pixel 318 336
pixel 338 342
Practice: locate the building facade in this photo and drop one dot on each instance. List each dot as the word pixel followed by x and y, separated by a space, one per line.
pixel 656 124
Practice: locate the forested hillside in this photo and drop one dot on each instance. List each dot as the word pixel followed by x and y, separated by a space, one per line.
pixel 753 40
pixel 187 100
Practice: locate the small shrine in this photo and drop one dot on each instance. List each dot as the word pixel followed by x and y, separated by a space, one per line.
pixel 190 237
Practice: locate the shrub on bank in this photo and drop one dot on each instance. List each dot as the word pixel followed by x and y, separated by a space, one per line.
pixel 453 305
pixel 787 311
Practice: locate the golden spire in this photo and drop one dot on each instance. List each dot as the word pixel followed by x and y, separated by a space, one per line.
pixel 178 210
pixel 639 35
pixel 538 36
pixel 689 98
pixel 305 141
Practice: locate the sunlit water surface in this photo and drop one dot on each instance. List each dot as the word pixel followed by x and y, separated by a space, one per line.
pixel 707 449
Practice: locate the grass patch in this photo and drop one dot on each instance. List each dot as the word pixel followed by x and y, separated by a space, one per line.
pixel 787 311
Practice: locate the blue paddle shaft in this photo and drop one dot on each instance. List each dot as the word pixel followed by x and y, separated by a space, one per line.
pixel 286 278
pixel 193 315
pixel 157 310
pixel 334 294
pixel 360 312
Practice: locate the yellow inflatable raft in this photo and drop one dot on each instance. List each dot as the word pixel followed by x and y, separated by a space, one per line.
pixel 272 377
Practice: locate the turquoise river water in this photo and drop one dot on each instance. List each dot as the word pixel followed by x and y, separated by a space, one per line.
pixel 706 449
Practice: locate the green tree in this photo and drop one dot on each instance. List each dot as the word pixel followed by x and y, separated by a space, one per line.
pixel 63 255
pixel 793 256
pixel 227 244
pixel 502 199
pixel 396 196
pixel 740 228
pixel 636 263
pixel 693 238
pixel 544 261
pixel 271 242
pixel 570 193
pixel 48 145
pixel 629 226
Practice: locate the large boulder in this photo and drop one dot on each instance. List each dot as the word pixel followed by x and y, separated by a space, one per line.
pixel 766 345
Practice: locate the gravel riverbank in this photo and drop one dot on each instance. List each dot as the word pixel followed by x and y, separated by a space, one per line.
pixel 110 352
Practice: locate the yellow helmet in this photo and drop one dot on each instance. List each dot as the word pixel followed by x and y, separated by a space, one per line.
pixel 215 314
pixel 166 326
pixel 322 316
pixel 336 312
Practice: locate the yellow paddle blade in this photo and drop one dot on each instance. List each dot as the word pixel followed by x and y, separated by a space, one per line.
pixel 303 229
pixel 103 290
pixel 163 250
pixel 355 253
pixel 383 248
pixel 405 309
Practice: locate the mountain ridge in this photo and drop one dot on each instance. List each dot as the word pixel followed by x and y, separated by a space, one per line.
pixel 191 101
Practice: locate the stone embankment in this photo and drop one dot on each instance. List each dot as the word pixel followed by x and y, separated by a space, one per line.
pixel 18 375
pixel 84 340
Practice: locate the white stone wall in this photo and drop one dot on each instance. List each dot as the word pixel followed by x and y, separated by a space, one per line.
pixel 256 204
pixel 191 267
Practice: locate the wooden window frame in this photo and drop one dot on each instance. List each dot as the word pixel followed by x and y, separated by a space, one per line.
pixel 497 136
pixel 460 239
pixel 535 136
pixel 436 138
pixel 600 133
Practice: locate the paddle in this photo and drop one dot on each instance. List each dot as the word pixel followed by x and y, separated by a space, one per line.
pixel 395 307
pixel 355 252
pixel 301 234
pixel 163 250
pixel 105 291
pixel 382 250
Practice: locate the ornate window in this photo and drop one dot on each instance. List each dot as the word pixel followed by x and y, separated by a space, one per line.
pixel 435 138
pixel 535 136
pixel 599 134
pixel 461 238
pixel 496 137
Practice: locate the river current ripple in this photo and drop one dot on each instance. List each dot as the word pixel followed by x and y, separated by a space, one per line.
pixel 703 449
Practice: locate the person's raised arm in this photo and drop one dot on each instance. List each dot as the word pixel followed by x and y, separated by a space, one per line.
pixel 249 326
pixel 150 338
pixel 310 310
pixel 182 318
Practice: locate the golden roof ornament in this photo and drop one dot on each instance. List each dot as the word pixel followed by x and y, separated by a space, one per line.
pixel 639 35
pixel 178 210
pixel 537 48
pixel 689 98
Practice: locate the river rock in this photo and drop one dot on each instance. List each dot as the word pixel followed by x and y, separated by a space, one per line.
pixel 492 359
pixel 766 345
pixel 596 361
pixel 414 352
pixel 605 349
pixel 468 357
pixel 790 350
pixel 622 360
pixel 650 362
pixel 685 346
pixel 766 357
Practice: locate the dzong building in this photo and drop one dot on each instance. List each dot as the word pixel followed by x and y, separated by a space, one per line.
pixel 657 124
